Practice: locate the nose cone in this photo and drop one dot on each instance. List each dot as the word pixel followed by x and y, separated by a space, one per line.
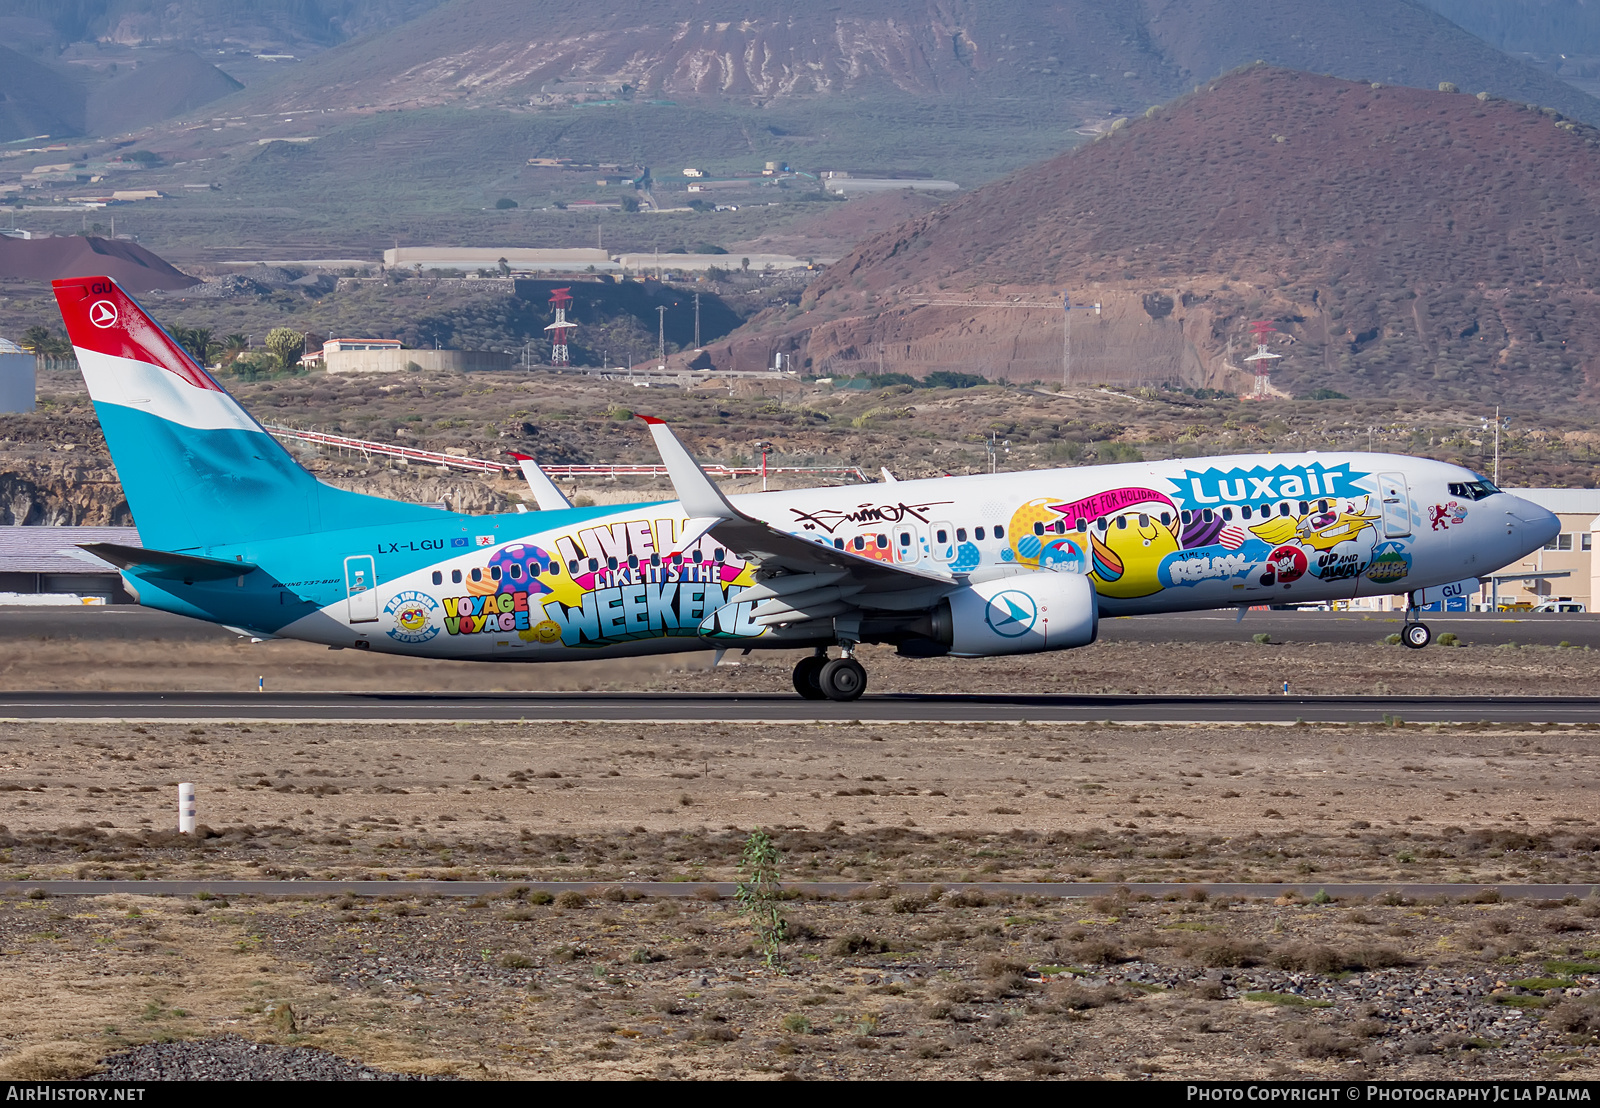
pixel 1539 527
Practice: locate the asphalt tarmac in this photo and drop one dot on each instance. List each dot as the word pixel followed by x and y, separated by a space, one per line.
pixel 129 623
pixel 757 708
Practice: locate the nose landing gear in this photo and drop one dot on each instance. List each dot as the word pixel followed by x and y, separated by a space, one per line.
pixel 1415 633
pixel 817 678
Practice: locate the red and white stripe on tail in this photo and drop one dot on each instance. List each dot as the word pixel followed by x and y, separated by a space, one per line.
pixel 128 360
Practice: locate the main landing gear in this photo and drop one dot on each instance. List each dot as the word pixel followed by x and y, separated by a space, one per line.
pixel 818 678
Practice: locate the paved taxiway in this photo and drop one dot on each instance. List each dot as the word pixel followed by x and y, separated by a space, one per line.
pixel 783 708
pixel 129 623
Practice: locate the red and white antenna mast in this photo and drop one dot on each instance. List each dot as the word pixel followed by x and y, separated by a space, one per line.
pixel 1263 359
pixel 561 300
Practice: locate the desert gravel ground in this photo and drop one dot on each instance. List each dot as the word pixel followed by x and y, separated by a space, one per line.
pixel 891 984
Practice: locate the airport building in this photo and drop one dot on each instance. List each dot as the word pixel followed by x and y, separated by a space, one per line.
pixel 41 565
pixel 18 371
pixel 699 263
pixel 1563 572
pixel 520 260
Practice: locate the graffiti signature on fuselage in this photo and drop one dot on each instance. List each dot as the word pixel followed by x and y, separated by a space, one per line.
pixel 829 520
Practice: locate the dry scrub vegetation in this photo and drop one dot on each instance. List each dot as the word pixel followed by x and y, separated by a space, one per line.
pixel 947 984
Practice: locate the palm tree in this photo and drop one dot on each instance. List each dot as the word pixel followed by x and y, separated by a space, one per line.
pixel 37 340
pixel 197 341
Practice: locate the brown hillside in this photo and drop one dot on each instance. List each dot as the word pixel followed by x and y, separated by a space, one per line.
pixel 36 99
pixel 156 88
pixel 1406 242
pixel 517 52
pixel 134 268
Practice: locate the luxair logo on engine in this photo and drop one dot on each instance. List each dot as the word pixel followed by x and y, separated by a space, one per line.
pixel 1011 614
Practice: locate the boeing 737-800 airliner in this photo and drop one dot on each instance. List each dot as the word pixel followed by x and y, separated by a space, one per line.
pixel 236 533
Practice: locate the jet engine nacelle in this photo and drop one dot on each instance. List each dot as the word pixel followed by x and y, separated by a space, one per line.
pixel 1023 614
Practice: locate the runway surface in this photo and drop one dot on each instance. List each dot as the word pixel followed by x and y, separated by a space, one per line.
pixel 762 708
pixel 128 623
pixel 843 889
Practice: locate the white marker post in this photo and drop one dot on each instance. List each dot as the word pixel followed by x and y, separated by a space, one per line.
pixel 186 808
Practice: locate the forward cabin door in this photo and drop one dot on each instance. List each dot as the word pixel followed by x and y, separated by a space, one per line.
pixel 1396 497
pixel 360 587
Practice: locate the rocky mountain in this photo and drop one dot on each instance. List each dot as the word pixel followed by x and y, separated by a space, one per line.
pixel 517 53
pixel 1403 243
pixel 259 24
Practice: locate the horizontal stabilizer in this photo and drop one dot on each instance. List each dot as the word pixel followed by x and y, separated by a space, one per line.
pixel 164 563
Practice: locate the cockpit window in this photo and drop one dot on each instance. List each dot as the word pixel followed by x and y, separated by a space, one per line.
pixel 1473 490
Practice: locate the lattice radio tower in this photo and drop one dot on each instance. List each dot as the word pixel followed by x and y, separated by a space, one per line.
pixel 560 300
pixel 1263 359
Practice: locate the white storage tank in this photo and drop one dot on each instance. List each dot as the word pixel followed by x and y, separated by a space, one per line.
pixel 17 371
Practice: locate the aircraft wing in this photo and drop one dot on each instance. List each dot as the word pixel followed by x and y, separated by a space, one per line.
pixel 798 577
pixel 545 494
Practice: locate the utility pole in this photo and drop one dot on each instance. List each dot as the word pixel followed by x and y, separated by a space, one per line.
pixel 661 335
pixel 697 321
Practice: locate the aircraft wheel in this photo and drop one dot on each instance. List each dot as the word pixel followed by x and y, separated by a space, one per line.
pixel 1416 635
pixel 843 679
pixel 806 674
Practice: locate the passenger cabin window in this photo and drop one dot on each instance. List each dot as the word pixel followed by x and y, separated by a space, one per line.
pixel 1283 509
pixel 477 574
pixel 859 543
pixel 455 577
pixel 905 538
pixel 977 532
pixel 1208 515
pixel 494 573
pixel 961 534
pixel 1122 523
pixel 941 535
pixel 1245 511
pixel 516 572
pixel 1166 519
pixel 1038 529
pixel 438 578
pixel 594 564
pixel 1227 514
pixel 612 563
pixel 1082 524
pixel 838 544
pixel 1184 516
pixel 999 532
pixel 882 542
